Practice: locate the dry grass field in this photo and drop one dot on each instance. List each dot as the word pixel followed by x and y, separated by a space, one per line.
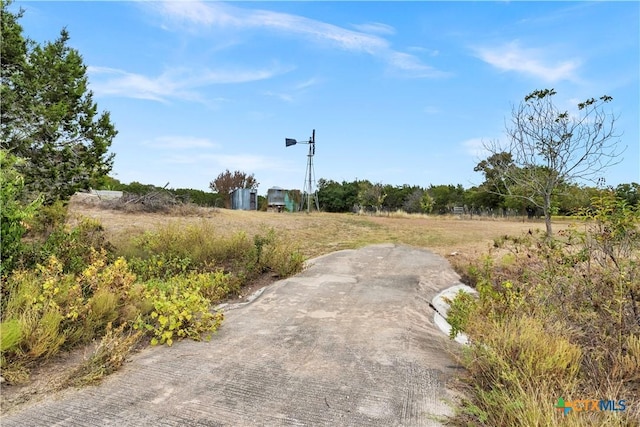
pixel 320 233
pixel 317 233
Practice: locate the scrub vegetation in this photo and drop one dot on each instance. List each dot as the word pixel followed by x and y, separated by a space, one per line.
pixel 69 286
pixel 555 318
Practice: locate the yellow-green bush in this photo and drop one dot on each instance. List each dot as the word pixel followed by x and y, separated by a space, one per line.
pixel 461 308
pixel 160 266
pixel 182 308
pixel 214 286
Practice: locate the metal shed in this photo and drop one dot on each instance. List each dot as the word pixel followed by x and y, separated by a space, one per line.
pixel 279 199
pixel 244 199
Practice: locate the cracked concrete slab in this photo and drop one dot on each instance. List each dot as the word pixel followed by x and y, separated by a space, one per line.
pixel 350 341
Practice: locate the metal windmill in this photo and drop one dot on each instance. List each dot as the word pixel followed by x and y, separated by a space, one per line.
pixel 309 191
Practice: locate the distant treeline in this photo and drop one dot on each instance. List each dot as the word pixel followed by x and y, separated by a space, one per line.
pixel 442 199
pixel 362 195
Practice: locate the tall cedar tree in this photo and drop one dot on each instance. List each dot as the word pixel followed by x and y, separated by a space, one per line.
pixel 49 117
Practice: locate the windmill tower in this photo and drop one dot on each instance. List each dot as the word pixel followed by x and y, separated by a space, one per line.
pixel 309 185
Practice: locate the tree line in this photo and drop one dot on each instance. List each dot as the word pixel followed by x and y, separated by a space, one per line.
pixel 441 199
pixel 363 195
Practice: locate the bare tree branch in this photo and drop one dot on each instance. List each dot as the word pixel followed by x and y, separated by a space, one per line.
pixel 549 147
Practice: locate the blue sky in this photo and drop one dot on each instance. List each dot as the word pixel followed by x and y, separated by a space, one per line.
pixel 398 92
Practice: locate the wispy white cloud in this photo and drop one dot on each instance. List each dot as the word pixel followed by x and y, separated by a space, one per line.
pixel 111 81
pixel 307 83
pixel 375 28
pixel 231 161
pixel 475 147
pixel 177 83
pixel 215 14
pixel 191 12
pixel 534 62
pixel 211 15
pixel 413 66
pixel 281 96
pixel 424 50
pixel 292 92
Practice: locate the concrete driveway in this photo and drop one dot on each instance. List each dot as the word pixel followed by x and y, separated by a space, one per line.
pixel 350 341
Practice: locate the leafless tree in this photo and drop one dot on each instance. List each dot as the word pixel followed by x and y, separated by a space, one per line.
pixel 551 147
pixel 226 182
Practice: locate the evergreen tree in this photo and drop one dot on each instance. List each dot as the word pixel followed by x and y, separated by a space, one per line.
pixel 49 117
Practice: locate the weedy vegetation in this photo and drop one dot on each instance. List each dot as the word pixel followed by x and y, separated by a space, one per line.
pixel 560 318
pixel 68 286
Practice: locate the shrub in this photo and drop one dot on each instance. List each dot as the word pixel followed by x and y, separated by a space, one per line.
pixel 160 266
pixel 461 309
pixel 53 309
pixel 199 243
pixel 72 290
pixel 14 212
pixel 560 316
pixel 71 245
pixel 175 250
pixel 181 309
pixel 48 218
pixel 277 254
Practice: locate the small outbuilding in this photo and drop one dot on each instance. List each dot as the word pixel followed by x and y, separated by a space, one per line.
pixel 245 199
pixel 279 199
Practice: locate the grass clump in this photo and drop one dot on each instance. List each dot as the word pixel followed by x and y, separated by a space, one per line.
pixel 177 250
pixel 108 356
pixel 50 310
